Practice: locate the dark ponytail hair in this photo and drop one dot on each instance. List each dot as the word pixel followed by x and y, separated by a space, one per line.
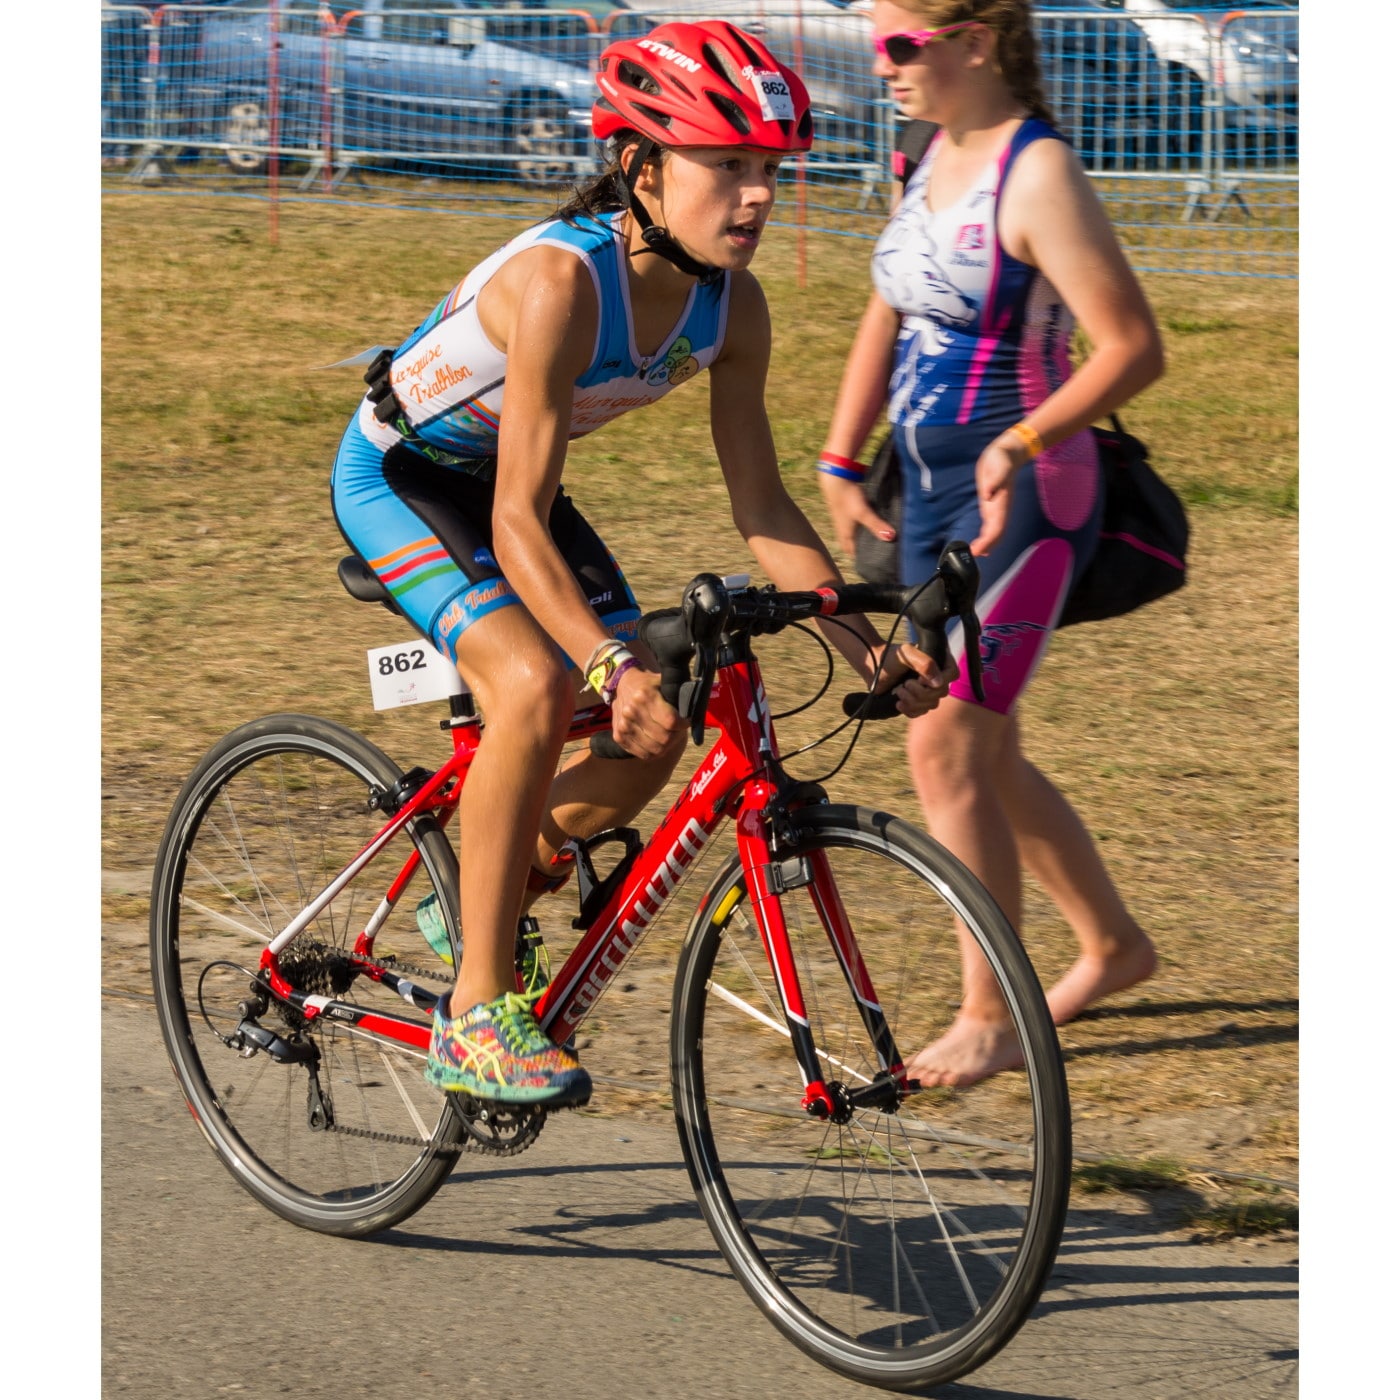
pixel 602 195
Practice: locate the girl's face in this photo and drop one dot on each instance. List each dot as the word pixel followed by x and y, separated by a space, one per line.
pixel 927 83
pixel 715 200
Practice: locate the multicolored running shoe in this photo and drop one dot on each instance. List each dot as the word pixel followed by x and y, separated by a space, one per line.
pixel 498 1051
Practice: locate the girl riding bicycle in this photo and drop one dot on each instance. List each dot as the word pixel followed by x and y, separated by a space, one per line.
pixel 447 484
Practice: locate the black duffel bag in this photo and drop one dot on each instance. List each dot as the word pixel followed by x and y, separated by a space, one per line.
pixel 1141 554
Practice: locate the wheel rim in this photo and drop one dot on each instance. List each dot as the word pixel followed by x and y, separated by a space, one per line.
pixel 540 141
pixel 272 827
pixel 247 129
pixel 895 1245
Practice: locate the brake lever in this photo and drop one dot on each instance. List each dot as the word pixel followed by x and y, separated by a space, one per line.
pixel 705 608
pixel 694 698
pixel 961 577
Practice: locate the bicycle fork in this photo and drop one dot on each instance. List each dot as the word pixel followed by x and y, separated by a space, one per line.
pixel 829 1094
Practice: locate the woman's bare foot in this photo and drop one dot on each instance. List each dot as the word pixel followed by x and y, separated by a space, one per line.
pixel 1092 978
pixel 969 1051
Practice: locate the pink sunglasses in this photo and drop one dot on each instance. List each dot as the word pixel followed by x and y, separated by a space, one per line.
pixel 904 48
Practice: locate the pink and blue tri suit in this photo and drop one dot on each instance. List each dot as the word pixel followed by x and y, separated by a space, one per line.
pixel 983 339
pixel 413 496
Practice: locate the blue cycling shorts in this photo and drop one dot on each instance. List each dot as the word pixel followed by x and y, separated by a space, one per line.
pixel 424 530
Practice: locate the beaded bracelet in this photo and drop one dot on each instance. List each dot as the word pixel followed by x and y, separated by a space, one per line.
pixel 833 464
pixel 1029 436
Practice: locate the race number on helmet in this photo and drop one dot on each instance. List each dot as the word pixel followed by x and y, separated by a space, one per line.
pixel 706 84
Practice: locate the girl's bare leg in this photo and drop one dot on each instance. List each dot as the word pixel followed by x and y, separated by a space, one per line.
pixel 513 669
pixel 952 752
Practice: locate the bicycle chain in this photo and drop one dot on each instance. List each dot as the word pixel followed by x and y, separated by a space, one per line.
pixel 509 1147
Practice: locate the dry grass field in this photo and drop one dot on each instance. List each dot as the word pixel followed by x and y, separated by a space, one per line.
pixel 1174 731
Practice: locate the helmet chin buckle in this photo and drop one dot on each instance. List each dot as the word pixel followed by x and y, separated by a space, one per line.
pixel 661 243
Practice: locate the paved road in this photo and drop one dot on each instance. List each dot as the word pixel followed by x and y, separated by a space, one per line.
pixel 583 1269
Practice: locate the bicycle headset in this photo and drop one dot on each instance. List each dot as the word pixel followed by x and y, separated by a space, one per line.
pixel 705 84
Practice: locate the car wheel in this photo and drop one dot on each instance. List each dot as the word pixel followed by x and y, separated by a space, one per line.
pixel 539 137
pixel 246 130
pixel 1183 113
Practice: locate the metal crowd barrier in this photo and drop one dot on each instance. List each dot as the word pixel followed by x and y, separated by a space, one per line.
pixel 1194 114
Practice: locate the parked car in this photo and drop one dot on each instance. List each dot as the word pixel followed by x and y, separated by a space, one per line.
pixel 1248 47
pixel 1242 56
pixel 410 81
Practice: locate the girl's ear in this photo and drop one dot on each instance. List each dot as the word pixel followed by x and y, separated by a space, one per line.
pixel 648 177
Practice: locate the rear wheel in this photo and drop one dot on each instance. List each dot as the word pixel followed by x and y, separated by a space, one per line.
pixel 901 1244
pixel 326 1123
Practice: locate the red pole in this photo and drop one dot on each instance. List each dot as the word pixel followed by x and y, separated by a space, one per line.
pixel 327 31
pixel 274 26
pixel 801 175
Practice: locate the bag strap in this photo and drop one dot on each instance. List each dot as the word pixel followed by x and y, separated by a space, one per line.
pixel 914 138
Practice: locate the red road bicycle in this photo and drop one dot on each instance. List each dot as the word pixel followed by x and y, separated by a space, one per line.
pixel 898 1235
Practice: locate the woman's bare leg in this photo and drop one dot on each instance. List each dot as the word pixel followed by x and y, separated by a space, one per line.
pixel 952 751
pixel 1060 854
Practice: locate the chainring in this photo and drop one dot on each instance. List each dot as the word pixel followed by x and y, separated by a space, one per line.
pixel 497 1129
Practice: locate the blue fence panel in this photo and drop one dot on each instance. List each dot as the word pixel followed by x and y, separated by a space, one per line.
pixel 1187 122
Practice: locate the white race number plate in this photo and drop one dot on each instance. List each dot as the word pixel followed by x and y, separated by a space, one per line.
pixel 409 673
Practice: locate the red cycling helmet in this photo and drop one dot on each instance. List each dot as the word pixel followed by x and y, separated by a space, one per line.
pixel 706 84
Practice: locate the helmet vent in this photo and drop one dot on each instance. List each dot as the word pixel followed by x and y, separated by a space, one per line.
pixel 635 76
pixel 723 64
pixel 662 119
pixel 741 40
pixel 730 110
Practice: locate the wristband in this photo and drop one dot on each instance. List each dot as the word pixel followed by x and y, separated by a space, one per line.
pixel 607 645
pixel 1029 436
pixel 833 464
pixel 608 690
pixel 604 675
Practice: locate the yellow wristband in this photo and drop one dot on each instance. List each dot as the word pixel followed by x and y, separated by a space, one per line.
pixel 1029 436
pixel 604 675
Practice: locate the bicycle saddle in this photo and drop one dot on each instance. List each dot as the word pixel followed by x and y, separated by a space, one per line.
pixel 360 583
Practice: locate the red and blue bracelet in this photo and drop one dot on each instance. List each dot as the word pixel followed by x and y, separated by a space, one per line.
pixel 833 464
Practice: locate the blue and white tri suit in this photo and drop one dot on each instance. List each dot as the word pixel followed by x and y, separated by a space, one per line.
pixel 416 504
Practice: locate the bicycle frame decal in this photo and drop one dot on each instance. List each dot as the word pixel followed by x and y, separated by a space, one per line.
pixel 619 926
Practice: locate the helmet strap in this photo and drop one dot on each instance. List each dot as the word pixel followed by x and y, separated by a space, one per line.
pixel 655 237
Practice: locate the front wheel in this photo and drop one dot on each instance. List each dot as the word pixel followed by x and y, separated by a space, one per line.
pixel 901 1243
pixel 327 1123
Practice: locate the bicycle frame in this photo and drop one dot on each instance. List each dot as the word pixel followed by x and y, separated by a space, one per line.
pixel 738 778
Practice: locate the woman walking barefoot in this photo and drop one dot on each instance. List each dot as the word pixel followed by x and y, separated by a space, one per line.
pixel 998 247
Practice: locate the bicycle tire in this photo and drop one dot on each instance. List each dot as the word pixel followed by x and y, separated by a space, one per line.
pixel 270 814
pixel 900 1249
